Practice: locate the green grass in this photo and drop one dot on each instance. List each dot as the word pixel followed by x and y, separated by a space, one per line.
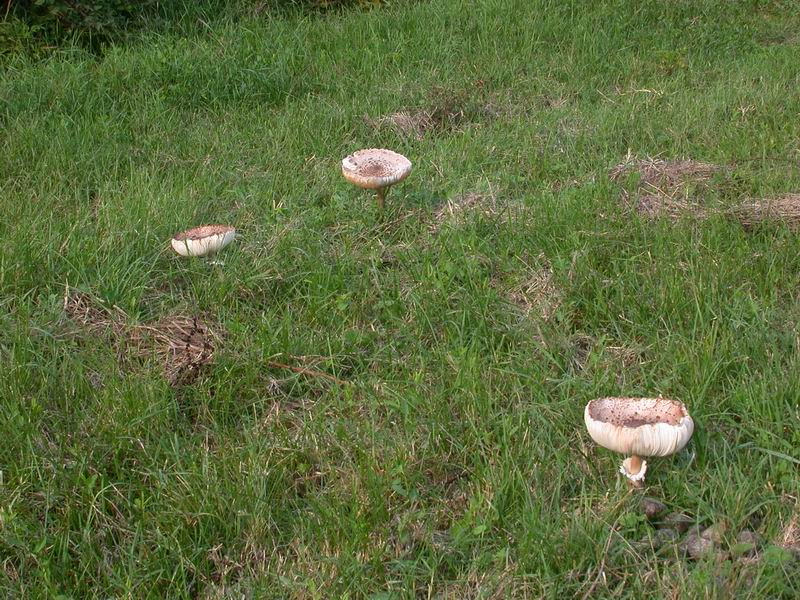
pixel 455 463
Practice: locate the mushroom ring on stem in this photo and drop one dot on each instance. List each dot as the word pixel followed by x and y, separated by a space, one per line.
pixel 376 169
pixel 637 427
pixel 203 240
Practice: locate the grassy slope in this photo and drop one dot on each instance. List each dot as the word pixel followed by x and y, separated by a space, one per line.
pixel 458 460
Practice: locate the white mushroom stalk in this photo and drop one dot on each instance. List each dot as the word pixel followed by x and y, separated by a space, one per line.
pixel 376 169
pixel 637 427
pixel 204 240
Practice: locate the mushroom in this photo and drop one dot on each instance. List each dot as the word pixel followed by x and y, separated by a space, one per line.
pixel 638 427
pixel 376 169
pixel 203 240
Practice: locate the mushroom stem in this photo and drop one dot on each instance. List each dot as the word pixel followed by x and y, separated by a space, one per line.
pixel 381 197
pixel 634 468
pixel 635 464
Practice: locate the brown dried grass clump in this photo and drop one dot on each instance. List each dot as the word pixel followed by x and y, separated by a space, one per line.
pixel 670 188
pixel 790 536
pixel 456 208
pixel 460 208
pixel 90 314
pixel 183 344
pixel 537 293
pixel 443 110
pixel 784 209
pixel 405 123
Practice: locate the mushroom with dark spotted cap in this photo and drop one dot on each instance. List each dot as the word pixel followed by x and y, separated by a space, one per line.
pixel 376 169
pixel 203 240
pixel 638 427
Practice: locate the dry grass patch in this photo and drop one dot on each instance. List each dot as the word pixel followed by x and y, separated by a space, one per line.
pixel 784 209
pixel 459 209
pixel 182 344
pixel 492 584
pixel 670 188
pixel 413 124
pixel 536 294
pixel 456 208
pixel 790 535
pixel 444 110
pixel 676 188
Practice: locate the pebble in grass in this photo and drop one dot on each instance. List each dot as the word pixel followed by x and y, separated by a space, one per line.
pixel 715 533
pixel 678 521
pixel 747 544
pixel 652 508
pixel 659 538
pixel 705 544
pixel 697 547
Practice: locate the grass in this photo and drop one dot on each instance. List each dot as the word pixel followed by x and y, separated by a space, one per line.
pixel 507 284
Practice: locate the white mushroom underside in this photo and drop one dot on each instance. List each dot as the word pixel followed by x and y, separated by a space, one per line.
pixel 375 168
pixel 203 246
pixel 649 439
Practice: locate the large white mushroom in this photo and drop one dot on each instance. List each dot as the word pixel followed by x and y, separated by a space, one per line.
pixel 376 169
pixel 638 427
pixel 203 240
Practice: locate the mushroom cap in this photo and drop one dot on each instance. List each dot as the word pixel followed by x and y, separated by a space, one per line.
pixel 203 240
pixel 375 168
pixel 640 426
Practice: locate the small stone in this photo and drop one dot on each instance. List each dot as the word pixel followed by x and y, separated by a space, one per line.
pixel 655 540
pixel 696 546
pixel 677 521
pixel 652 508
pixel 664 536
pixel 715 533
pixel 747 543
pixel 746 536
pixel 743 549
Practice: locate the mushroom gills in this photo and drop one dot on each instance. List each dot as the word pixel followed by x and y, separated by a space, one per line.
pixel 637 427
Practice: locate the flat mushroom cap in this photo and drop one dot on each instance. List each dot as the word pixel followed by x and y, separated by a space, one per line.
pixel 203 240
pixel 640 426
pixel 375 168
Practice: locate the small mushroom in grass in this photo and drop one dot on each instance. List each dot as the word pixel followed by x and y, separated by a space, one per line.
pixel 203 240
pixel 638 427
pixel 376 169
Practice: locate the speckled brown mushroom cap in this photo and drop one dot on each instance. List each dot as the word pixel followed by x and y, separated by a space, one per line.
pixel 198 233
pixel 375 168
pixel 203 240
pixel 639 426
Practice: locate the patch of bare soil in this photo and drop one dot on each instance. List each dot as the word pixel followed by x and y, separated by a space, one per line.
pixel 784 209
pixel 183 344
pixel 670 188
